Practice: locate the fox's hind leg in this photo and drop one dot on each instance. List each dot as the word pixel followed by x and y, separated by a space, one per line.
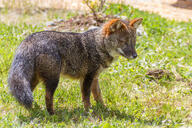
pixel 51 79
pixel 86 89
pixel 51 86
pixel 95 89
pixel 49 67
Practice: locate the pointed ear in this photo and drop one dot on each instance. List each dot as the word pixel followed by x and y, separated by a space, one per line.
pixel 136 22
pixel 112 26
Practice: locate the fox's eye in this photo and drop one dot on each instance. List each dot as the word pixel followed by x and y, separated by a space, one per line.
pixel 121 42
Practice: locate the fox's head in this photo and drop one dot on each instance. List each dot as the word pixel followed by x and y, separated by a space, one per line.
pixel 120 37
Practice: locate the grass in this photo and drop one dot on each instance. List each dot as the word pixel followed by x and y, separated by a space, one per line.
pixel 133 99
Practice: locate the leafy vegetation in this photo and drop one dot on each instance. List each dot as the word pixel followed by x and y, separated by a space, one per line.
pixel 133 99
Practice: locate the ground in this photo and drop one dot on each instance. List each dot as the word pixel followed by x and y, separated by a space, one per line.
pixel 179 10
pixel 154 90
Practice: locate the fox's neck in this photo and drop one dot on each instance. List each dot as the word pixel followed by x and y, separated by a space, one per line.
pixel 103 46
pixel 103 50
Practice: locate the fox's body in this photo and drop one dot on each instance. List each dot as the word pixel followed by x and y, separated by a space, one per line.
pixel 48 54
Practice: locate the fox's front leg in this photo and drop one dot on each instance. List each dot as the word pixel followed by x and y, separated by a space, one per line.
pixel 86 89
pixel 95 89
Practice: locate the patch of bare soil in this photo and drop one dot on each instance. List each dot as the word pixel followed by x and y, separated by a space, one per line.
pixel 158 73
pixel 180 10
pixel 186 4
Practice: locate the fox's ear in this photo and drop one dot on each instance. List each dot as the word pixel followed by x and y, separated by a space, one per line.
pixel 136 22
pixel 113 26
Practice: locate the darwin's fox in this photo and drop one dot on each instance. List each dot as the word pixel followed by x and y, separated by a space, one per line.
pixel 48 54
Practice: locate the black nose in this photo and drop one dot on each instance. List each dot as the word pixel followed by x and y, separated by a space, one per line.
pixel 134 55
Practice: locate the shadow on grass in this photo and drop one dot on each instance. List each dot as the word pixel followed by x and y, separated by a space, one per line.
pixel 97 112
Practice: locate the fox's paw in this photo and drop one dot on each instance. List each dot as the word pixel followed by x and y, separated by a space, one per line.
pixel 87 106
pixel 101 104
pixel 51 112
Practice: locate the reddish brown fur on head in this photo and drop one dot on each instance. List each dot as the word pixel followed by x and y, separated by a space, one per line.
pixel 112 26
pixel 116 25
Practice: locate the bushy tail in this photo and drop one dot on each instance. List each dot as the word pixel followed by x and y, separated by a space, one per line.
pixel 19 81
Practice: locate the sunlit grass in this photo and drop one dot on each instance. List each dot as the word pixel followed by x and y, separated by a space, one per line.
pixel 132 98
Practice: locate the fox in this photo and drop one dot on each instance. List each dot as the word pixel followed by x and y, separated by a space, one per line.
pixel 45 55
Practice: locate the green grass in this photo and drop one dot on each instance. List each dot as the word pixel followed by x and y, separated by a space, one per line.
pixel 133 99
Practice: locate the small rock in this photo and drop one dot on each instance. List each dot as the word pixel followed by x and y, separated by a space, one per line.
pixel 50 23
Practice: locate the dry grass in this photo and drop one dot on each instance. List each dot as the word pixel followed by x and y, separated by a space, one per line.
pixel 171 9
pixel 40 10
pixel 57 4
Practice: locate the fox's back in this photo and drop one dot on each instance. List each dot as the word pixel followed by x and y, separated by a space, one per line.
pixel 75 51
